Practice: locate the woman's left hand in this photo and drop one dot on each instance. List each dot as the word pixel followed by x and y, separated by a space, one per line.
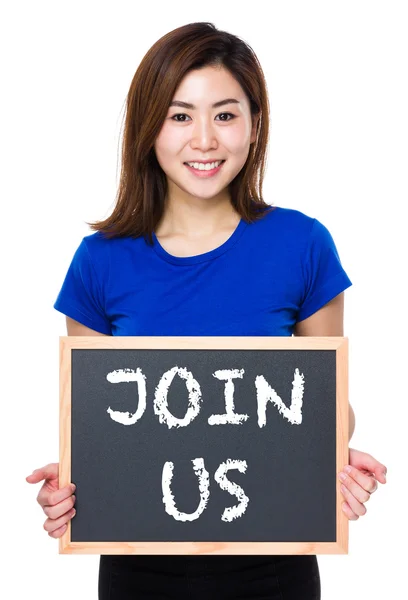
pixel 360 481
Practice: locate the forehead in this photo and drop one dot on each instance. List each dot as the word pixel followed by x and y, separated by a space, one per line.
pixel 206 86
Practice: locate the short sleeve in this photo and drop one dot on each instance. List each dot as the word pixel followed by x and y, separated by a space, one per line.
pixel 324 274
pixel 80 296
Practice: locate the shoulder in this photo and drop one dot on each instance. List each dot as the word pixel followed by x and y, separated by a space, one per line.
pixel 98 244
pixel 94 248
pixel 287 224
pixel 107 254
pixel 99 240
pixel 291 216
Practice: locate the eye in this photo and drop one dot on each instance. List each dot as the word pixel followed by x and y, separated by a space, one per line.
pixel 184 115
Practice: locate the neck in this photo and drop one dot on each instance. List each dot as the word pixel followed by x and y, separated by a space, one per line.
pixel 195 217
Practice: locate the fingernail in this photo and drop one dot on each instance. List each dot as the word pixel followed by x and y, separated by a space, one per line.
pixel 347 468
pixel 73 487
pixel 342 476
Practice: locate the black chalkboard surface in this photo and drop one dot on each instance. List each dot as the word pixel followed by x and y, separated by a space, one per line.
pixel 222 445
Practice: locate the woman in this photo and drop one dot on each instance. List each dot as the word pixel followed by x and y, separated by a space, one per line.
pixel 191 249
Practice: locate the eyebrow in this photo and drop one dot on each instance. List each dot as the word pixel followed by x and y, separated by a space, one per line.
pixel 216 105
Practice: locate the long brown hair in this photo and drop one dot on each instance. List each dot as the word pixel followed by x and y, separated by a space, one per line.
pixel 142 187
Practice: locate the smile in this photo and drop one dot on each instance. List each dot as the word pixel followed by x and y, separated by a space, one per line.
pixel 204 172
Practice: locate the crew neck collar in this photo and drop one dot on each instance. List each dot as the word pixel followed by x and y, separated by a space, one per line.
pixel 206 256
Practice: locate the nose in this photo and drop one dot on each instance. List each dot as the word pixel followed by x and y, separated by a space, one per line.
pixel 203 134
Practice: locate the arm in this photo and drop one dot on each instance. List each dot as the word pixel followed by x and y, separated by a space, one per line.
pixel 328 321
pixel 359 477
pixel 76 328
pixel 57 503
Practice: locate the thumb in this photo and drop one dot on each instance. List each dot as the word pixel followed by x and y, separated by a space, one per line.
pixel 50 471
pixel 362 460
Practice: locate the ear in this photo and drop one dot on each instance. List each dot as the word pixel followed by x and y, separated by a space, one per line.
pixel 255 121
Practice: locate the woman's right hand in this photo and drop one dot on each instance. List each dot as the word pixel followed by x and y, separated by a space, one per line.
pixel 56 503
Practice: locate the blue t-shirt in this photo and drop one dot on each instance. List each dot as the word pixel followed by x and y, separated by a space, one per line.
pixel 267 276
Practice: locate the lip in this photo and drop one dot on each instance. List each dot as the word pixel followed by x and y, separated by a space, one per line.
pixel 205 161
pixel 204 174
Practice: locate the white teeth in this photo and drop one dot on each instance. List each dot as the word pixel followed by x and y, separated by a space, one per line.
pixel 205 166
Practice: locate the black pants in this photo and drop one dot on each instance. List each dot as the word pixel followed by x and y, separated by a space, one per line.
pixel 287 577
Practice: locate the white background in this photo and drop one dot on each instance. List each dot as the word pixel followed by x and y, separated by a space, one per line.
pixel 337 80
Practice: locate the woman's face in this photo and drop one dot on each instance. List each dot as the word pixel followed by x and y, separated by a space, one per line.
pixel 201 132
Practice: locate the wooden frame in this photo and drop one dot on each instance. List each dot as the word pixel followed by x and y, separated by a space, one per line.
pixel 339 344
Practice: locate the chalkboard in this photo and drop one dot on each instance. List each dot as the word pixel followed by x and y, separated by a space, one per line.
pixel 204 445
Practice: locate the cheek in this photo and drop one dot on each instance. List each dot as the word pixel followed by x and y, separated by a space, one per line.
pixel 167 144
pixel 171 142
pixel 236 141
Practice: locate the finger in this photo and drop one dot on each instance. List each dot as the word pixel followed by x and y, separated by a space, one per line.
pixel 53 524
pixel 366 480
pixel 381 474
pixel 374 484
pixel 362 460
pixel 50 471
pixel 56 511
pixel 57 533
pixel 47 498
pixel 348 512
pixel 356 506
pixel 361 486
